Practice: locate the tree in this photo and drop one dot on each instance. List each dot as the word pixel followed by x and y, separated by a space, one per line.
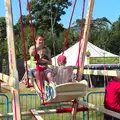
pixel 3 41
pixel 46 17
pixel 114 37
pixel 46 13
pixel 27 36
pixel 19 42
pixel 2 28
pixel 99 30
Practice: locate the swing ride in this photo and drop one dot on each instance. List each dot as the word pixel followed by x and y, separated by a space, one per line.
pixel 66 91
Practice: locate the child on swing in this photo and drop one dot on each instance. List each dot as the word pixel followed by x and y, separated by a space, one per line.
pixel 43 60
pixel 65 72
pixel 61 60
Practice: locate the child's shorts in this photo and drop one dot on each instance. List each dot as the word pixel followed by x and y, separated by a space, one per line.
pixel 46 71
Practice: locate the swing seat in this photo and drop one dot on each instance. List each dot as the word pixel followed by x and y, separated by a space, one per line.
pixel 70 91
pixel 66 88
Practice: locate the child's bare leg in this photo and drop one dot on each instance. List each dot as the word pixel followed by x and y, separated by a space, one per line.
pixel 49 77
pixel 51 84
pixel 38 77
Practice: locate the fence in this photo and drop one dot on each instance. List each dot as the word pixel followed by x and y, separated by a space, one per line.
pixel 31 101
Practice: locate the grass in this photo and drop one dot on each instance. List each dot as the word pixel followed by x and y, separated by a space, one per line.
pixel 33 102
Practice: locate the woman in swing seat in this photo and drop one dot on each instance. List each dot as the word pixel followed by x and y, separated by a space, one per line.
pixel 44 59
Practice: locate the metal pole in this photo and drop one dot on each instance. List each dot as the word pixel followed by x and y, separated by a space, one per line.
pixel 104 75
pixel 85 36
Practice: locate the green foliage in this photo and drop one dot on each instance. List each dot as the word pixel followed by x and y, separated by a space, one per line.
pixel 46 17
pixel 103 33
pixel 19 43
pixel 47 13
pixel 114 39
pixel 3 41
pixel 2 28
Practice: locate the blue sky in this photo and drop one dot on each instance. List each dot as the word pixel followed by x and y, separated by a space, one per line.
pixel 102 8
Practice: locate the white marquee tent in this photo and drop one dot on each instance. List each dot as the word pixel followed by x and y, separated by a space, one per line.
pixel 72 53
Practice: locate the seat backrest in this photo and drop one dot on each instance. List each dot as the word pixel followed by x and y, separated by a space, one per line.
pixel 63 74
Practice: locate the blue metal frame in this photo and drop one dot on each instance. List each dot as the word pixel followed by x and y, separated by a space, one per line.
pixel 7 102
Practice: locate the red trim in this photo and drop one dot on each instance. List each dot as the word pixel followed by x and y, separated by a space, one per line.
pixel 11 61
pixel 69 110
pixel 33 35
pixel 33 115
pixel 40 82
pixel 66 38
pixel 81 29
pixel 45 103
pixel 23 42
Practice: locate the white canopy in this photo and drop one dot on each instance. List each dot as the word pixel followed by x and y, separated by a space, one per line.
pixel 72 53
